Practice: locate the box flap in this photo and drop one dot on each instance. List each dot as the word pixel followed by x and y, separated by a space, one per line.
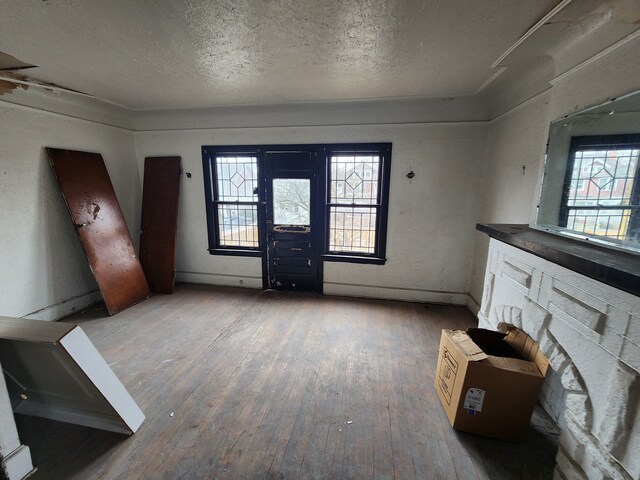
pixel 514 365
pixel 466 346
pixel 492 343
pixel 527 346
pixel 541 362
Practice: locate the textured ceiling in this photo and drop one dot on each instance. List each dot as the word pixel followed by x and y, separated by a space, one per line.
pixel 197 53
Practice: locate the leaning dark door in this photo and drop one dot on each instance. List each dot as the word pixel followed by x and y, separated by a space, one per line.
pixel 292 221
pixel 159 222
pixel 95 212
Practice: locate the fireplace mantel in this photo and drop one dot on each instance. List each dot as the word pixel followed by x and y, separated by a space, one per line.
pixel 581 303
pixel 612 267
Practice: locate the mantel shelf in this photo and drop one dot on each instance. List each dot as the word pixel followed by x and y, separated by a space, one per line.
pixel 611 267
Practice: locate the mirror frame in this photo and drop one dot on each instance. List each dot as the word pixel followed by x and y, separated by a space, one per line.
pixel 553 185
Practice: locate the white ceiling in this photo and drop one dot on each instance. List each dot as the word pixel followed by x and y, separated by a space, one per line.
pixel 199 53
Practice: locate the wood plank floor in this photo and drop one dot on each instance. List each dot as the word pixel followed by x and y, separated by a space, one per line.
pixel 245 384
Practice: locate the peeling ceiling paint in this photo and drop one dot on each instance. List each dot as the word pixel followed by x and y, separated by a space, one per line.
pixel 7 85
pixel 12 80
pixel 9 62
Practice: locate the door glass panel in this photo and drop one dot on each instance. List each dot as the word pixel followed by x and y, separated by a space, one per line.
pixel 291 201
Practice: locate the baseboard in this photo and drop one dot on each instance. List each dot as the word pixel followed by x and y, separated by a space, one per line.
pixel 66 307
pixel 395 293
pixel 473 305
pixel 18 463
pixel 343 289
pixel 219 279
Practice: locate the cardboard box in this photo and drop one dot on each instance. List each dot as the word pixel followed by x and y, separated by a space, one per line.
pixel 488 382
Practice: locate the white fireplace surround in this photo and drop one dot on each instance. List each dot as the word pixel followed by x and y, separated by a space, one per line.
pixel 591 335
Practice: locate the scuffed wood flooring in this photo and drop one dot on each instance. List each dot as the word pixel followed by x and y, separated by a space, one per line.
pixel 244 384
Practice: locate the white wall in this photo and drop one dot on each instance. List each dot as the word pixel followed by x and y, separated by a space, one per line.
pixel 514 140
pixel 42 266
pixel 431 222
pixel 519 138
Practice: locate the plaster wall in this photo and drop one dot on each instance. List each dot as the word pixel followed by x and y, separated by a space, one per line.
pixel 513 158
pixel 518 138
pixel 431 225
pixel 43 270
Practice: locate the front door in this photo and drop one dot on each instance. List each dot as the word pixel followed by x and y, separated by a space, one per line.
pixel 292 220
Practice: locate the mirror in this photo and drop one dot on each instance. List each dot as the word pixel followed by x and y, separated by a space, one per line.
pixel 591 183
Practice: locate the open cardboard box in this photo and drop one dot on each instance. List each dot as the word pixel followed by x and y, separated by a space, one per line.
pixel 488 382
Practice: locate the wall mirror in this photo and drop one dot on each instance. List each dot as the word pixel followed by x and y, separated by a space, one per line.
pixel 591 183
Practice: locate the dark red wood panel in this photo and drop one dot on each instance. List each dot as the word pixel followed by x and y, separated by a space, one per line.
pixel 160 222
pixel 96 215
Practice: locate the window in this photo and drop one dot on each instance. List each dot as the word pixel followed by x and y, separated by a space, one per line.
pixel 602 193
pixel 357 202
pixel 354 203
pixel 351 199
pixel 231 181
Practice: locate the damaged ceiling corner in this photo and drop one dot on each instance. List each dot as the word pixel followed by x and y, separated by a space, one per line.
pixel 10 80
pixel 8 86
pixel 9 62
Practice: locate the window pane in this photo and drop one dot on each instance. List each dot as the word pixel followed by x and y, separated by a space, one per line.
pixel 354 179
pixel 603 222
pixel 291 201
pixel 237 179
pixel 352 229
pixel 238 225
pixel 603 177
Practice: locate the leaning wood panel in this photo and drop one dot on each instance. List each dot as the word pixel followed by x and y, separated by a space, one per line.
pixel 159 223
pixel 54 371
pixel 87 190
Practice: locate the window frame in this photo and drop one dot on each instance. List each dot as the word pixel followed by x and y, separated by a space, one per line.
pixel 209 157
pixel 383 151
pixel 594 143
pixel 324 153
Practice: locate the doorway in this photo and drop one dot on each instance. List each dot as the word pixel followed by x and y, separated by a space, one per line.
pixel 292 224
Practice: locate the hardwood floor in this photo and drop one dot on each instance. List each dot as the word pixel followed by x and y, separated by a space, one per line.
pixel 244 384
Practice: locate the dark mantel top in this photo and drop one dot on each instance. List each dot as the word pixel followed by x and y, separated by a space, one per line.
pixel 612 267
